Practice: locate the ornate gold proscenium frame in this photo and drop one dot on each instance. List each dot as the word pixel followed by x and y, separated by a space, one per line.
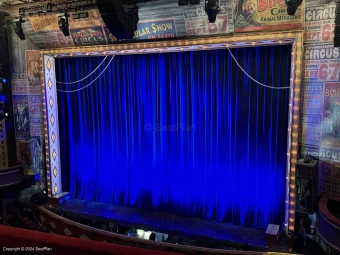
pixel 50 107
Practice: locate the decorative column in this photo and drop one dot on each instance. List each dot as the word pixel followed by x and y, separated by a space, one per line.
pixel 51 125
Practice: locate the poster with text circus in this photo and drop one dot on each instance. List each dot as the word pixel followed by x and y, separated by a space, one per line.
pixel 156 29
pixel 88 36
pixel 19 87
pixel 329 179
pixel 57 40
pixel 319 23
pixel 48 23
pixel 321 62
pixel 197 23
pixel 21 117
pixel 260 15
pixel 110 38
pixel 331 116
pixel 32 58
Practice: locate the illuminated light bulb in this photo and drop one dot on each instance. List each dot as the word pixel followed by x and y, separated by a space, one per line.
pixel 292 186
pixel 291 228
pixel 294 152
pixel 292 194
pixel 291 211
pixel 291 219
pixel 292 203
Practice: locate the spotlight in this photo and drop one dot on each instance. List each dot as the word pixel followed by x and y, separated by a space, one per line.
pixel 3 80
pixel 3 115
pixel 212 8
pixel 2 98
pixel 63 23
pixel 18 28
pixel 292 6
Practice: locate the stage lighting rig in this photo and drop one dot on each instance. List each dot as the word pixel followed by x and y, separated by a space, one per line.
pixel 212 8
pixel 63 23
pixel 18 28
pixel 292 6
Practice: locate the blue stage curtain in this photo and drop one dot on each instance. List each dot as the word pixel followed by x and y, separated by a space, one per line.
pixel 184 132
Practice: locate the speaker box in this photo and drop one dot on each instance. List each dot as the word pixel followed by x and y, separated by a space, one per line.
pixel 119 21
pixel 306 183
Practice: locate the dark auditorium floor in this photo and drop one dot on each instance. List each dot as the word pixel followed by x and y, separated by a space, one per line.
pixel 167 223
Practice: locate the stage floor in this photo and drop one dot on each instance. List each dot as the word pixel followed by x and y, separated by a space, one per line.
pixel 168 223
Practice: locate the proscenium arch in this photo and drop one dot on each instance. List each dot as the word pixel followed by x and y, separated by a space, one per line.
pixel 50 105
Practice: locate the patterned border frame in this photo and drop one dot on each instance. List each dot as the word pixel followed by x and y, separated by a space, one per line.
pixel 51 125
pixel 235 41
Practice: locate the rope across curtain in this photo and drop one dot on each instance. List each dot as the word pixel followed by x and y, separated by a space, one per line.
pixel 184 132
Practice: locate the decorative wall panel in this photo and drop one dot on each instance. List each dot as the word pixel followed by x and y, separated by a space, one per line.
pixel 51 127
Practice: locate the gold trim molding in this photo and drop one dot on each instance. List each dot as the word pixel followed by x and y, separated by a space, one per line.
pixel 220 42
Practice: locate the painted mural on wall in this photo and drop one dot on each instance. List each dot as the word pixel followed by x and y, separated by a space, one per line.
pixel 32 58
pixel 261 15
pixel 156 29
pixel 27 108
pixel 319 98
pixel 196 21
pixel 21 116
pixel 331 116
